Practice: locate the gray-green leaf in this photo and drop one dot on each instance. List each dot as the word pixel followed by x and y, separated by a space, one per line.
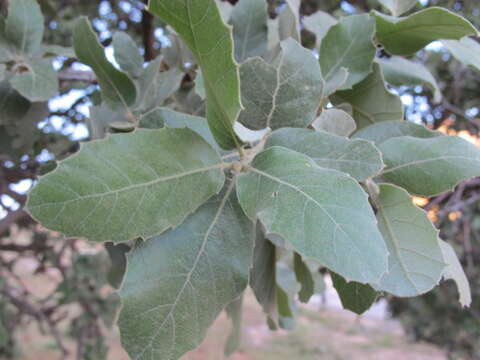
pixel 382 131
pixel 416 263
pixel 286 93
pixel 128 185
pixel 305 278
pixel 466 50
pixel 200 19
pixel 127 54
pixel 24 26
pixel 324 214
pixel 235 313
pixel 358 158
pixel 371 100
pixel 160 117
pixel 335 121
pixel 38 82
pixel 429 166
pixel 349 45
pixel 319 23
pixel 454 271
pixel 399 71
pixel 407 35
pixel 118 90
pixel 354 296
pixel 250 31
pixel 194 271
pixel 289 21
pixel 398 7
pixel 263 274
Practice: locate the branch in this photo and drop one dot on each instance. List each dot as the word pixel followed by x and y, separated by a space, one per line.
pixel 12 218
pixel 459 112
pixel 72 75
pixel 148 34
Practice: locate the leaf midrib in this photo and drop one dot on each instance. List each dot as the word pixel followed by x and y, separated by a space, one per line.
pixel 139 185
pixel 194 266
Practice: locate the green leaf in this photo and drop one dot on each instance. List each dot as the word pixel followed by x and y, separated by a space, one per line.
pixel 335 82
pixel 287 289
pixel 429 166
pixel 454 271
pixel 324 214
pixel 57 50
pixel 127 55
pixel 286 93
pixel 235 313
pixel 398 7
pixel 200 25
pixel 335 121
pixel 161 117
pixel 263 274
pixel 250 31
pixel 118 90
pixel 38 81
pixel 289 21
pixel 13 106
pixel 349 45
pixel 118 259
pixel 358 158
pixel 193 273
pixel 415 264
pixel 466 50
pixel 407 35
pixel 128 185
pixel 304 277
pixel 382 131
pixel 24 26
pixel 354 296
pixel 399 71
pixel 371 100
pixel 319 23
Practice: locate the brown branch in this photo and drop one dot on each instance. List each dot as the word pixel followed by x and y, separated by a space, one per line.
pixel 459 112
pixel 12 218
pixel 72 75
pixel 148 34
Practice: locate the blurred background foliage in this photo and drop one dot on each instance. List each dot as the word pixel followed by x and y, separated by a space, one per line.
pixel 84 278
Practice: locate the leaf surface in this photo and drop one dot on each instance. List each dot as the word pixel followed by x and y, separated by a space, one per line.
pixel 324 214
pixel 24 26
pixel 128 185
pixel 201 27
pixel 454 271
pixel 304 278
pixel 465 50
pixel 127 55
pixel 399 71
pixel 398 7
pixel 407 35
pixel 372 102
pixel 319 23
pixel 335 121
pixel 118 90
pixel 250 31
pixel 286 93
pixel 349 45
pixel 415 264
pixel 358 158
pixel 382 131
pixel 193 273
pixel 429 166
pixel 289 21
pixel 354 296
pixel 38 83
pixel 263 273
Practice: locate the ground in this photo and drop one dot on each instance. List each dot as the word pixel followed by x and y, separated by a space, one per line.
pixel 323 331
